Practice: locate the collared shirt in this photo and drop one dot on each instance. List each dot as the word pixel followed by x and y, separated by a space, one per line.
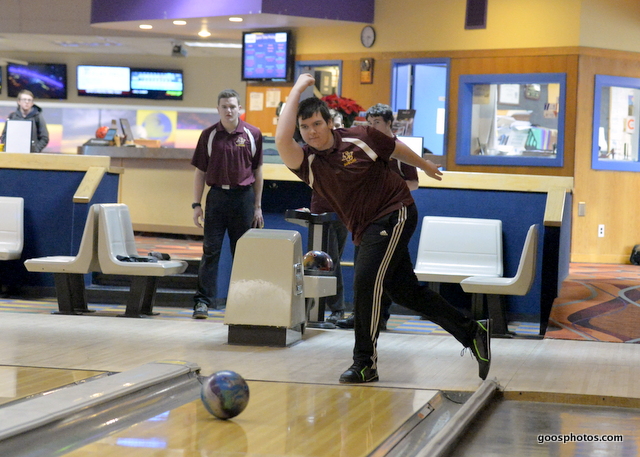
pixel 408 172
pixel 229 159
pixel 355 178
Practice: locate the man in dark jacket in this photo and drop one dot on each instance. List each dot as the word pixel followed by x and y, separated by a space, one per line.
pixel 27 111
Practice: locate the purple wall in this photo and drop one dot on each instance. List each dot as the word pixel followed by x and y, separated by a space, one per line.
pixel 133 10
pixel 350 10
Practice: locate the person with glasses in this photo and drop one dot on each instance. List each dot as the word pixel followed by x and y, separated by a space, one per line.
pixel 28 111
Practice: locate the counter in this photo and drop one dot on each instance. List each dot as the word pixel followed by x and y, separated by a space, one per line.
pixel 157 185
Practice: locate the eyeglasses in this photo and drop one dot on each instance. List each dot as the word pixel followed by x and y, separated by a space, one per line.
pixel 28 100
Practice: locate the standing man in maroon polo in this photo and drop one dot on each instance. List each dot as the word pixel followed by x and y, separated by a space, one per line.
pixel 228 158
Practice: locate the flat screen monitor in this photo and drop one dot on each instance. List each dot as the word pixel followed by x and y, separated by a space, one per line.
pixel 415 143
pixel 111 134
pixel 267 56
pixel 104 81
pixel 157 84
pixel 126 130
pixel 44 80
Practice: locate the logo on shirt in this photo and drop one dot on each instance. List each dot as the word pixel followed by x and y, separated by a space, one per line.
pixel 347 158
pixel 241 142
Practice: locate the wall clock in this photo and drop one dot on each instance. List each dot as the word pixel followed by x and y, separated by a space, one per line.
pixel 368 36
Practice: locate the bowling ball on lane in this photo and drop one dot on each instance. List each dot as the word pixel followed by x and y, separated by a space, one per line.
pixel 317 261
pixel 225 394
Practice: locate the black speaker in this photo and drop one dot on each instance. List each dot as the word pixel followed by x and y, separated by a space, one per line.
pixel 178 51
pixel 476 17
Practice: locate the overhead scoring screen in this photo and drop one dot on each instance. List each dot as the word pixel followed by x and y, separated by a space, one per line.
pixel 266 55
pixel 157 84
pixel 104 81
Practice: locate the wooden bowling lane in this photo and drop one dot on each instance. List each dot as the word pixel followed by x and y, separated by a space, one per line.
pixel 20 382
pixel 281 419
pixel 543 428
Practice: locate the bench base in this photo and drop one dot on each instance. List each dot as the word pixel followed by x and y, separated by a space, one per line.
pixel 259 335
pixel 72 300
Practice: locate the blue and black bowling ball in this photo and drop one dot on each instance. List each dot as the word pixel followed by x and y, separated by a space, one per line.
pixel 317 261
pixel 225 394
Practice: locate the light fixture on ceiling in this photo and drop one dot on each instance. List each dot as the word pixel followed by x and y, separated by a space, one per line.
pixel 204 33
pixel 145 26
pixel 235 19
pixel 87 44
pixel 210 44
pixel 179 22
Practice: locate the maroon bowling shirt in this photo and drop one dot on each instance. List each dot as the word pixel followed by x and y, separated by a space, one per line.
pixel 355 178
pixel 408 172
pixel 229 159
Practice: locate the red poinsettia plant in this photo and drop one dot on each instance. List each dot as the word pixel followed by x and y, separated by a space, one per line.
pixel 347 107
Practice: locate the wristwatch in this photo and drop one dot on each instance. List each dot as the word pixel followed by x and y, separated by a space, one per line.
pixel 194 205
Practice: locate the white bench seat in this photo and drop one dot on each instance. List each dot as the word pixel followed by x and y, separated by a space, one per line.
pixel 495 289
pixel 116 238
pixel 11 227
pixel 454 248
pixel 68 271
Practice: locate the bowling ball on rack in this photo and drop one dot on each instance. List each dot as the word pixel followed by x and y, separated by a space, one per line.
pixel 225 394
pixel 317 261
pixel 102 131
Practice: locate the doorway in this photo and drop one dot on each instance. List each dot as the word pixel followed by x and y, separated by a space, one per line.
pixel 421 85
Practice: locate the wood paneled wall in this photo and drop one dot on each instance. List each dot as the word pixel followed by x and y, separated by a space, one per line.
pixel 609 196
pixel 264 119
pixel 522 61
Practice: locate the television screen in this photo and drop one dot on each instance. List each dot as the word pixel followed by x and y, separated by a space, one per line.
pixel 126 130
pixel 104 81
pixel 415 143
pixel 267 56
pixel 45 80
pixel 157 84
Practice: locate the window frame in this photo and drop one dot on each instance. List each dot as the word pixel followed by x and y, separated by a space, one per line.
pixel 465 106
pixel 609 81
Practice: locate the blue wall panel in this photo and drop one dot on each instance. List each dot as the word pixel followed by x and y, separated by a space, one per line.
pixel 517 211
pixel 53 224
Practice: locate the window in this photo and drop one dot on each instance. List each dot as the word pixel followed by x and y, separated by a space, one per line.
pixel 615 116
pixel 328 75
pixel 511 119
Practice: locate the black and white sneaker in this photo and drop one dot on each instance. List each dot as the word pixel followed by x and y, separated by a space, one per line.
pixel 200 311
pixel 481 347
pixel 335 316
pixel 358 374
pixel 349 322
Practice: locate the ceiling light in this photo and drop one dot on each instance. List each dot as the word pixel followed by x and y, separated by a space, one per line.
pixel 235 19
pixel 178 22
pixel 209 44
pixel 78 44
pixel 204 33
pixel 145 26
